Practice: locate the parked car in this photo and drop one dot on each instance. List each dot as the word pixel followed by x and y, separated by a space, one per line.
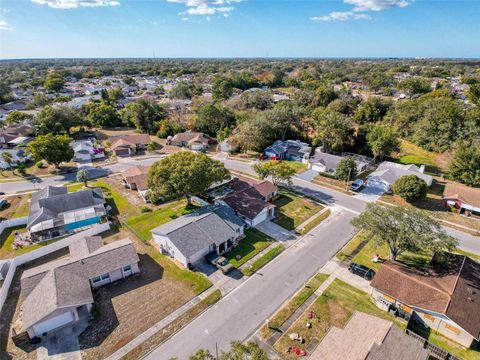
pixel 3 203
pixel 357 185
pixel 219 262
pixel 362 271
pixel 2 193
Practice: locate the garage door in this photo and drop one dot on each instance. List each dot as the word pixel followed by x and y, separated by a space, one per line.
pixel 53 323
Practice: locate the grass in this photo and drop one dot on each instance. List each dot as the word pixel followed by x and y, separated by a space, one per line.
pixel 298 166
pixel 212 298
pixel 346 252
pixel 142 224
pixel 6 240
pixel 292 210
pixel 289 308
pixel 263 260
pixel 253 243
pixel 468 254
pixel 365 255
pixel 333 308
pixel 315 222
pixel 120 205
pixel 413 154
pixel 75 187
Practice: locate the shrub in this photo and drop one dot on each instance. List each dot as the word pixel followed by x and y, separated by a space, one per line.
pixel 22 169
pixel 410 188
pixel 40 164
pixel 151 146
pixel 145 209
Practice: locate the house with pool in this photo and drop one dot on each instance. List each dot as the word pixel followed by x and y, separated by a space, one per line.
pixel 55 212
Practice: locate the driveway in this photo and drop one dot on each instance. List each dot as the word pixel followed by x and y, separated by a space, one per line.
pixel 275 231
pixel 224 282
pixel 308 175
pixel 62 345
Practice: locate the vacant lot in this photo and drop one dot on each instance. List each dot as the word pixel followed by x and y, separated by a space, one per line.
pixel 254 242
pixel 142 224
pixel 333 308
pixel 292 210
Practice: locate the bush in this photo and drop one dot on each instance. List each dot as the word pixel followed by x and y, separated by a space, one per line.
pixel 145 209
pixel 40 164
pixel 410 188
pixel 22 169
pixel 151 146
pixel 95 310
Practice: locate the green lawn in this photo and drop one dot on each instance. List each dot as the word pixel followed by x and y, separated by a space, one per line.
pixel 351 246
pixel 298 166
pixel 289 308
pixel 364 257
pixel 333 308
pixel 120 205
pixel 263 260
pixel 413 154
pixel 254 242
pixel 6 241
pixel 142 224
pixel 315 222
pixel 292 209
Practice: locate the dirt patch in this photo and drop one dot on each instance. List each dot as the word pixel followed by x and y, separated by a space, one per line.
pixel 132 196
pixel 16 204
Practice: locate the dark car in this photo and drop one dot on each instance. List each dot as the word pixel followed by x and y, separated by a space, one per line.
pixel 362 271
pixel 219 262
pixel 357 185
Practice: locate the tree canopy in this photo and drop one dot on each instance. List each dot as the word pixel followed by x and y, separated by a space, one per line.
pixel 54 149
pixel 333 130
pixel 211 118
pixel 58 120
pixel 346 169
pixel 383 141
pixel 465 166
pixel 410 188
pixel 144 115
pixel 280 171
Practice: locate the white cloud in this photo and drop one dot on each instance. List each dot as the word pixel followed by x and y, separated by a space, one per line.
pixel 360 8
pixel 341 16
pixel 185 19
pixel 377 5
pixel 207 7
pixel 4 25
pixel 73 4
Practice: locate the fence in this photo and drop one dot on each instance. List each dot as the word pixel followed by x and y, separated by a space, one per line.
pixel 12 222
pixel 435 350
pixel 47 249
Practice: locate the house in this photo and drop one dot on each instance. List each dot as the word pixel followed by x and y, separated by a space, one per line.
pixel 16 135
pixel 86 151
pixel 226 146
pixel 463 198
pixel 444 297
pixel 388 172
pixel 368 337
pixel 190 237
pixel 18 156
pixel 328 163
pixel 59 293
pixel 56 212
pixel 135 178
pixel 193 140
pixel 250 199
pixel 288 150
pixel 127 145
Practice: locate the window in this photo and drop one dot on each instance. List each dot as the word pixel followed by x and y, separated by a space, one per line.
pixel 407 309
pixel 127 268
pixel 452 328
pixel 428 317
pixel 100 278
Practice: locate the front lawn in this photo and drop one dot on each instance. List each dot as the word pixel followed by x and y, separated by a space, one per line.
pixel 292 209
pixel 263 260
pixel 254 242
pixel 333 308
pixel 298 166
pixel 142 224
pixel 351 247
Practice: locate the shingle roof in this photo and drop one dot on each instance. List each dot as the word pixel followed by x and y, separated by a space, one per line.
pixel 450 288
pixel 258 189
pixel 189 136
pixel 465 194
pixel 47 203
pixel 193 232
pixel 129 140
pixel 391 172
pixel 65 282
pixel 330 161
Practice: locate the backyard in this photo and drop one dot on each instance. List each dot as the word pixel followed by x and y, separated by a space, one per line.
pixel 6 240
pixel 292 210
pixel 412 154
pixel 333 308
pixel 254 242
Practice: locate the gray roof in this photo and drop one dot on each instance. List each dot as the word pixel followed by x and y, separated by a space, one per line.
pixel 65 282
pixel 209 225
pixel 47 203
pixel 391 172
pixel 331 161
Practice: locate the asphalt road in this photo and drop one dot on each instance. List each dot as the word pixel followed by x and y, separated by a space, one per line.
pixel 243 310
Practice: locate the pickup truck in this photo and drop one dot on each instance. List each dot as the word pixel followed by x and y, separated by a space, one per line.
pixel 219 262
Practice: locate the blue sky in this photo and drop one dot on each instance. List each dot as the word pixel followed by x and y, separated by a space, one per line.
pixel 233 28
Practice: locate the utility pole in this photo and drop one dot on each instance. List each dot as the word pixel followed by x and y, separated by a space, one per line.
pixel 216 350
pixel 348 179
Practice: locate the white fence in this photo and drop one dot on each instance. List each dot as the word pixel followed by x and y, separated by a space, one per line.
pixel 47 249
pixel 12 222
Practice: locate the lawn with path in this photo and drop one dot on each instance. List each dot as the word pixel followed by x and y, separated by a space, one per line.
pixel 253 243
pixel 292 209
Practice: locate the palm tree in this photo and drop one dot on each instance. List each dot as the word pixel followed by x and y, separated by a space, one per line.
pixel 8 158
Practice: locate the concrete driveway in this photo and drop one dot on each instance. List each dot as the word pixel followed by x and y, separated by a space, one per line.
pixel 224 282
pixel 62 345
pixel 275 231
pixel 308 175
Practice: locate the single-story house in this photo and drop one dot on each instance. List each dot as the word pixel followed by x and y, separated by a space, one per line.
pixel 464 198
pixel 444 297
pixel 190 237
pixel 127 145
pixel 226 146
pixel 59 293
pixel 328 163
pixel 388 172
pixel 250 199
pixel 135 178
pixel 86 151
pixel 288 150
pixel 193 140
pixel 55 212
pixel 18 156
pixel 368 337
pixel 16 135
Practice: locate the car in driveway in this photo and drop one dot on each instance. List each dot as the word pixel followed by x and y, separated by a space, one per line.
pixel 219 262
pixel 362 271
pixel 357 185
pixel 3 203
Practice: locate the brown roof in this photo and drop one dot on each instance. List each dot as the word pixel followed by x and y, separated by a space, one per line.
pixel 465 194
pixel 452 289
pixel 189 136
pixel 135 171
pixel 246 204
pixel 257 187
pixel 140 181
pixel 129 140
